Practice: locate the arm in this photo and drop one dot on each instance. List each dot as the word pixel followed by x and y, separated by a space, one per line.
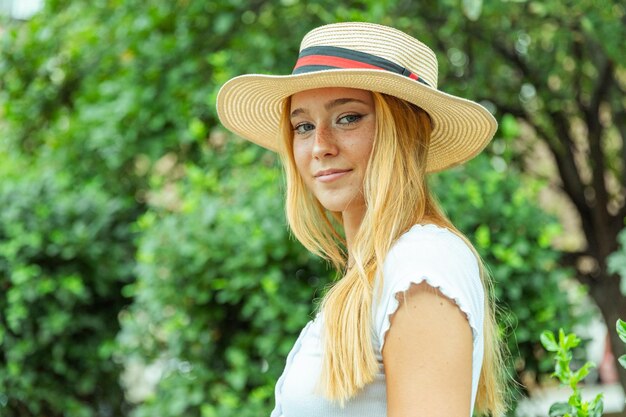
pixel 428 356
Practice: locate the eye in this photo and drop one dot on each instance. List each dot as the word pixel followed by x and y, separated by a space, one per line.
pixel 303 128
pixel 349 119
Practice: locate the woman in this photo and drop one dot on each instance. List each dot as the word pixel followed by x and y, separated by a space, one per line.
pixel 409 328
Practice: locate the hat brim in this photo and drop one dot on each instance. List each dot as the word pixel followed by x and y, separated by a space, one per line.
pixel 250 106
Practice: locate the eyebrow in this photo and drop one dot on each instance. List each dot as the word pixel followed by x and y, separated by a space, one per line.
pixel 329 105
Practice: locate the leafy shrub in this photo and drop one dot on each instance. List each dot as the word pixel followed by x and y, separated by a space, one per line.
pixel 64 257
pixel 562 350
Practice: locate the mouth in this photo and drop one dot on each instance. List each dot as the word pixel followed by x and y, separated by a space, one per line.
pixel 329 175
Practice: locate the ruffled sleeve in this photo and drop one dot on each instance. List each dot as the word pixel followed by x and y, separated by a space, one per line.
pixel 442 259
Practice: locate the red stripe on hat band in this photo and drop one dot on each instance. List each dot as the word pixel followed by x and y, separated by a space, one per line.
pixel 321 58
pixel 333 61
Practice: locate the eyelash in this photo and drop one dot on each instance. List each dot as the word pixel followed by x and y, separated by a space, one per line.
pixel 298 126
pixel 357 116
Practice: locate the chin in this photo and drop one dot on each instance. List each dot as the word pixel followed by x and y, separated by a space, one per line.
pixel 332 206
pixel 339 205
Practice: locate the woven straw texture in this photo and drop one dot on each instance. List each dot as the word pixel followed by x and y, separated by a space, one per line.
pixel 250 105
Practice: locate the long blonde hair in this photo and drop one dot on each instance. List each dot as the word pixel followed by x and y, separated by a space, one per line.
pixel 397 197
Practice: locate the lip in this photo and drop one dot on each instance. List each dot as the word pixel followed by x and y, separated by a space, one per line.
pixel 329 175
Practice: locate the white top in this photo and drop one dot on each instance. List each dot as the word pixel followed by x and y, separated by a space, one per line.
pixel 425 253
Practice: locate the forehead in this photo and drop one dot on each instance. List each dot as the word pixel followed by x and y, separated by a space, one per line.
pixel 321 96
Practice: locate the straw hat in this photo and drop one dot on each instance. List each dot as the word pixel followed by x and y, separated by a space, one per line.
pixel 369 57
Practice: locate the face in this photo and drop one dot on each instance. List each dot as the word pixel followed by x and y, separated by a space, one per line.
pixel 333 134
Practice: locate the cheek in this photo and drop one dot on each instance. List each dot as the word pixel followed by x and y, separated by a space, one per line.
pixel 301 159
pixel 364 148
pixel 361 140
pixel 368 152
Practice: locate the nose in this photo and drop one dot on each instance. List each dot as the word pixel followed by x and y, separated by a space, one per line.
pixel 325 144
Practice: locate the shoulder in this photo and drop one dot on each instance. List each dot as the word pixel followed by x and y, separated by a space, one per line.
pixel 430 248
pixel 438 257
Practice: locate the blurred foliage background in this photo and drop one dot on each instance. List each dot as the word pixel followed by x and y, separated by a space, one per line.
pixel 145 263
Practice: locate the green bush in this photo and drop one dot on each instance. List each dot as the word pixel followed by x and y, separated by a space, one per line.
pixel 64 256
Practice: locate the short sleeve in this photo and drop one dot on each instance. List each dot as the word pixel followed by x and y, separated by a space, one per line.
pixel 442 259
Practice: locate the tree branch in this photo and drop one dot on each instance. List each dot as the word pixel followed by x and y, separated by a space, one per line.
pixel 603 87
pixel 586 279
pixel 619 119
pixel 532 75
pixel 577 52
pixel 556 132
pixel 572 184
pixel 601 216
pixel 514 111
pixel 572 258
pixel 621 128
pixel 620 218
pixel 564 155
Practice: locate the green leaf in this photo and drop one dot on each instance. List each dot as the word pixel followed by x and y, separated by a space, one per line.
pixel 621 329
pixel 483 238
pixel 574 400
pixel 580 374
pixel 560 409
pixel 548 341
pixel 509 127
pixel 622 361
pixel 571 341
pixel 596 407
pixel 472 9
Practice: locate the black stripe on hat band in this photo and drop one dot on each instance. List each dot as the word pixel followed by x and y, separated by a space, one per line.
pixel 316 62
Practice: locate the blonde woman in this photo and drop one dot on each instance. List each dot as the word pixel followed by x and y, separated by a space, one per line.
pixel 409 328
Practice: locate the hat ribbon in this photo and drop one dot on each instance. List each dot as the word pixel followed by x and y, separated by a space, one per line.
pixel 319 58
